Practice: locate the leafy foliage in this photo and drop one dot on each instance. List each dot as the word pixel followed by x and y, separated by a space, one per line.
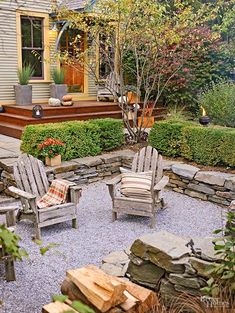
pixel 76 305
pixel 80 138
pixel 166 137
pixel 224 273
pixel 219 102
pixel 24 74
pixel 205 145
pixel 111 133
pixel 10 242
pixel 58 75
pixel 153 46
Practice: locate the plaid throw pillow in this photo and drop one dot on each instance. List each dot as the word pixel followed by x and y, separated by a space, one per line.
pixel 136 185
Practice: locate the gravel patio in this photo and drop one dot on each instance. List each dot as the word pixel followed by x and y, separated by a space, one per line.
pixel 40 276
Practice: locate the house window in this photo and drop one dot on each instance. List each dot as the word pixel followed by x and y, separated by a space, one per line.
pixel 32 44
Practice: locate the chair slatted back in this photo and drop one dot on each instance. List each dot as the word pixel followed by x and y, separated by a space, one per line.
pixel 30 175
pixel 148 159
pixel 112 83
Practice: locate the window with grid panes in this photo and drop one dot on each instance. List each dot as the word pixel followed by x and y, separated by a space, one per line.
pixel 32 44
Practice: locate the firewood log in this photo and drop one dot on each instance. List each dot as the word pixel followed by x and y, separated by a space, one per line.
pixel 102 290
pixel 57 307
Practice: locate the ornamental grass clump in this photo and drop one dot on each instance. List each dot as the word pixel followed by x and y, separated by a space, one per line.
pixel 25 74
pixel 58 76
pixel 51 148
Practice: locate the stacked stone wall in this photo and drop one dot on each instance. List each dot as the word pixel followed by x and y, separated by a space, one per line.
pixel 212 186
pixel 166 263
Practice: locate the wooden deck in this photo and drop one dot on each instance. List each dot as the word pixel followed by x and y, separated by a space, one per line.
pixel 15 118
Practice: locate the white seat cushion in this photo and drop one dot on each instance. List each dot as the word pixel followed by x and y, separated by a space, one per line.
pixel 136 185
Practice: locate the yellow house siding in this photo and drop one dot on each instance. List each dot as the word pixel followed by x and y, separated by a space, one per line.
pixel 10 57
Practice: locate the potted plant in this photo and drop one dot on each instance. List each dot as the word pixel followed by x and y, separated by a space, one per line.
pixel 58 88
pixel 23 91
pixel 146 119
pixel 51 149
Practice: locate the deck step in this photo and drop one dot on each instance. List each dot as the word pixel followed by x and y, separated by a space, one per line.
pixel 25 120
pixel 15 118
pixel 11 130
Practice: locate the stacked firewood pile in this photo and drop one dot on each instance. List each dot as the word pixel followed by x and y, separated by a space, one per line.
pixel 102 293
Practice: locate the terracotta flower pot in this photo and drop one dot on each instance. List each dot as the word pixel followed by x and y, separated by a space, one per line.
pixel 147 121
pixel 53 161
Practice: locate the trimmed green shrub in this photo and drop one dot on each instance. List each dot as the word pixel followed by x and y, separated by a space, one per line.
pixel 166 137
pixel 219 102
pixel 205 145
pixel 81 138
pixel 111 133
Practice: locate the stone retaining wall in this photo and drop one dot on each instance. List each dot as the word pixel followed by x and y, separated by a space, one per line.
pixel 212 186
pixel 187 179
pixel 81 170
pixel 165 263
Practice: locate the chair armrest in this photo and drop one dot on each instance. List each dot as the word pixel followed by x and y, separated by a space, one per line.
pixel 75 193
pixel 21 193
pixel 161 184
pixel 114 180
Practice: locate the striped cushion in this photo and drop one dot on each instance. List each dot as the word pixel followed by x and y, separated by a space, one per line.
pixel 136 185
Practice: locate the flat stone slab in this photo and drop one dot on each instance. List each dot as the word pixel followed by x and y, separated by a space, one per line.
pixel 212 178
pixel 161 248
pixel 191 282
pixel 167 164
pixel 66 166
pixel 89 161
pixel 185 170
pixel 201 266
pixel 7 164
pixel 230 183
pixel 201 188
pixel 117 257
pixel 207 248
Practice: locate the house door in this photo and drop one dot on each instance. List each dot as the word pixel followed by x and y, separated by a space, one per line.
pixel 73 48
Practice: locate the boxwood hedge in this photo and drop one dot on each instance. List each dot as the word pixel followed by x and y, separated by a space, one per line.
pixel 212 145
pixel 81 138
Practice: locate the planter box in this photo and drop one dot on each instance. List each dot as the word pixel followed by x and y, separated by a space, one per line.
pixel 58 91
pixel 23 94
pixel 53 161
pixel 147 121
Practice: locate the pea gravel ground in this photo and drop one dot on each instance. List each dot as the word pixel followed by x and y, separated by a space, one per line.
pixel 40 276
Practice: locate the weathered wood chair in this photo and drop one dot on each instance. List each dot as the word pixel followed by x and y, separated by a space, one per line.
pixel 32 183
pixel 147 159
pixel 109 88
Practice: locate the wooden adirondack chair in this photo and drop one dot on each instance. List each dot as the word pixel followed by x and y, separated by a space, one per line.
pixel 109 88
pixel 147 159
pixel 32 183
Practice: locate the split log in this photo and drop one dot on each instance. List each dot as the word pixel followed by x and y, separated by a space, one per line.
pixel 102 290
pixel 147 298
pixel 57 307
pixel 130 303
pixel 69 289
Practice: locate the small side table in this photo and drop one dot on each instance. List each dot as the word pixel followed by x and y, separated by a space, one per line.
pixel 9 211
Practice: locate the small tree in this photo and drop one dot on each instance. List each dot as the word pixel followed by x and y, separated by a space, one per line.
pixel 145 44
